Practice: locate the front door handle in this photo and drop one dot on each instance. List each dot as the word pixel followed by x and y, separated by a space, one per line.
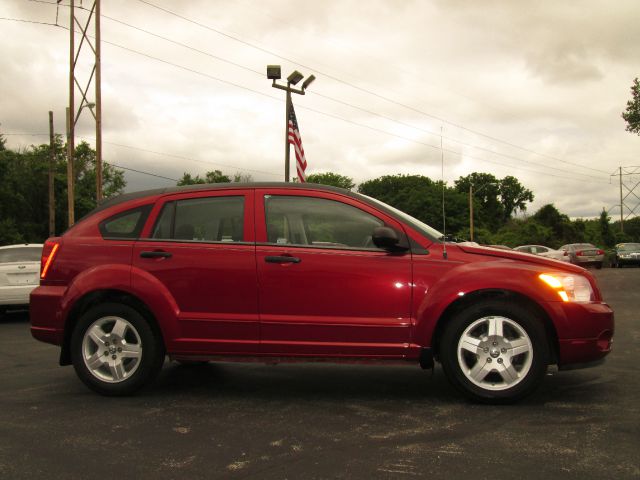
pixel 155 254
pixel 282 259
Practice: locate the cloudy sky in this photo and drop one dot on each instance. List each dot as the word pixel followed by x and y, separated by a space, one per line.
pixel 530 89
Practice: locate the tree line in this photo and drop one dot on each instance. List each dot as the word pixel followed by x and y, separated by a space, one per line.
pixel 496 201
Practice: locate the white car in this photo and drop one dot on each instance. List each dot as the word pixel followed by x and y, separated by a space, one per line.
pixel 19 273
pixel 544 252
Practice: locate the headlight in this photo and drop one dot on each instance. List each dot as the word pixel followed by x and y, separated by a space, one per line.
pixel 570 287
pixel 625 255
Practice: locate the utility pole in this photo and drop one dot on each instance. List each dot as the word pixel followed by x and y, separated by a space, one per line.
pixel 70 116
pixel 98 116
pixel 621 204
pixel 471 212
pixel 274 73
pixel 70 193
pixel 629 180
pixel 52 201
pixel 95 75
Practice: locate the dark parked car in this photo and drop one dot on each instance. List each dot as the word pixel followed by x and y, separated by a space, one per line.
pixel 626 254
pixel 584 254
pixel 299 271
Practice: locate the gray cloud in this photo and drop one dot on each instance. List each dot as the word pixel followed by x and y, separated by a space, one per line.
pixel 548 76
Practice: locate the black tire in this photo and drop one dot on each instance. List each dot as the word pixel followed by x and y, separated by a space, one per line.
pixel 139 338
pixel 598 266
pixel 520 326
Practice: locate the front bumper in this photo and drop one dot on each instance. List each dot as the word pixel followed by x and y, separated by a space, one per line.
pixel 585 332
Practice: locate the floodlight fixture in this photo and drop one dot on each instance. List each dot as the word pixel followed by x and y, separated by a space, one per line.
pixel 274 72
pixel 295 77
pixel 308 81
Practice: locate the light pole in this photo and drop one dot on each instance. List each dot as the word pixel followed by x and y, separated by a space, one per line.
pixel 471 206
pixel 274 73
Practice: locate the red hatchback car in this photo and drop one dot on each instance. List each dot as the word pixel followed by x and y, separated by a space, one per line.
pixel 291 271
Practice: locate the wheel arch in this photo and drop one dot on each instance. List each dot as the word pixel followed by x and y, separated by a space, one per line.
pixel 469 299
pixel 98 297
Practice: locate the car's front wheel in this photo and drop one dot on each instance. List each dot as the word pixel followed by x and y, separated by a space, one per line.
pixel 494 351
pixel 114 349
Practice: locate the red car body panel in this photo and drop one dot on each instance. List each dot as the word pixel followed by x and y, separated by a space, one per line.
pixel 217 298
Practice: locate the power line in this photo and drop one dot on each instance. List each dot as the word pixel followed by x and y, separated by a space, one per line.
pixel 335 116
pixel 356 107
pixel 141 171
pixel 27 21
pixel 344 82
pixel 492 152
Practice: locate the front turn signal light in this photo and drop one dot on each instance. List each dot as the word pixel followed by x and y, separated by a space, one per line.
pixel 570 288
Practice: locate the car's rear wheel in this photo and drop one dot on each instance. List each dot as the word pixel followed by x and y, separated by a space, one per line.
pixel 494 351
pixel 114 349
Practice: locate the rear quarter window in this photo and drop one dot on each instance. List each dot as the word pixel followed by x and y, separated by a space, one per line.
pixel 127 224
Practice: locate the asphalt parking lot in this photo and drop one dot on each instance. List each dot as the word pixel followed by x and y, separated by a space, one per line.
pixel 320 420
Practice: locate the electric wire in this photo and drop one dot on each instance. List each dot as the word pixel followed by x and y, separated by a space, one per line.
pixel 332 115
pixel 350 105
pixel 364 90
pixel 453 140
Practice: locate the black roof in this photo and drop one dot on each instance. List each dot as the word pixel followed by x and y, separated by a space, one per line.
pixel 125 197
pixel 252 185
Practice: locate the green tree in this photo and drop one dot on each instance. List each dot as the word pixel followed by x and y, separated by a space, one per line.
pixel 606 234
pixel 240 177
pixel 488 211
pixel 632 114
pixel 215 176
pixel 333 179
pixel 494 200
pixel 523 232
pixel 563 229
pixel 24 200
pixel 421 198
pixel 513 196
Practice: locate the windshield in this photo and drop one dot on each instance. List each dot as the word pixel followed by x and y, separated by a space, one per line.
pixel 629 247
pixel 416 224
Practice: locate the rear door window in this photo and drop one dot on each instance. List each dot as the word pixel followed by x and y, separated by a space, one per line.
pixel 205 219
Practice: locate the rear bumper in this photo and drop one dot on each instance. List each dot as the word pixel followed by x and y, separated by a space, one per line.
pixel 15 295
pixel 47 324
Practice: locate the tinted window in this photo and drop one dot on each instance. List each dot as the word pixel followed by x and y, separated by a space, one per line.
pixel 318 222
pixel 126 224
pixel 210 219
pixel 20 254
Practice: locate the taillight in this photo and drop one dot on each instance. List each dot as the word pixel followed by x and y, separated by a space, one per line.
pixel 565 253
pixel 579 253
pixel 600 252
pixel 48 254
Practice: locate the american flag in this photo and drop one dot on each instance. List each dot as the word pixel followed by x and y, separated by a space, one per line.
pixel 296 141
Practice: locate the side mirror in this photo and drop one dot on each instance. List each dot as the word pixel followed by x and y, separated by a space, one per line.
pixel 386 238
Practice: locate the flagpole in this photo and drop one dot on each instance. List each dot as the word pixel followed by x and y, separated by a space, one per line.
pixel 274 73
pixel 287 150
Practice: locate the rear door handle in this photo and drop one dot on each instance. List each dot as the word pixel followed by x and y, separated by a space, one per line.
pixel 155 254
pixel 282 259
